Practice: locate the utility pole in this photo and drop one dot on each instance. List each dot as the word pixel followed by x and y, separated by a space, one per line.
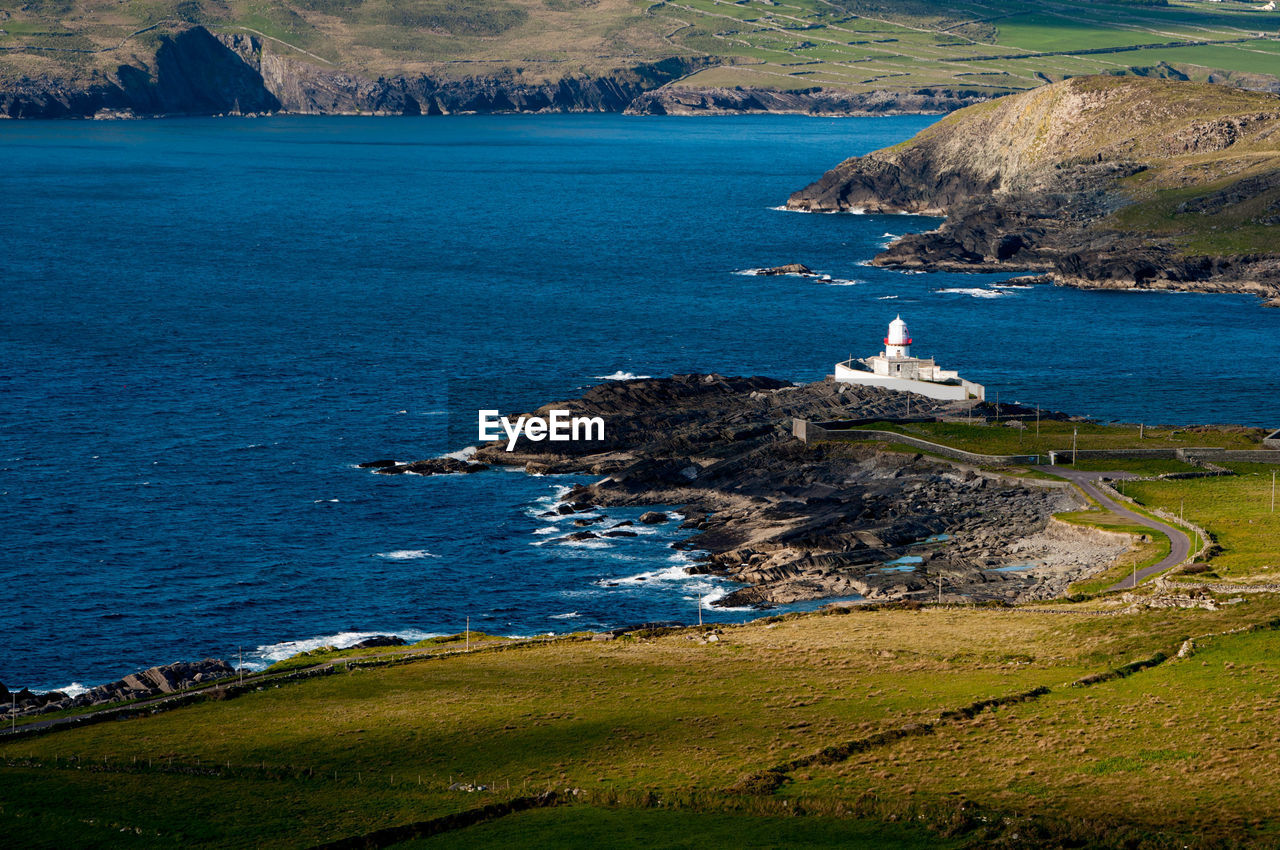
pixel 1141 430
pixel 1135 572
pixel 468 633
pixel 1273 491
pixel 241 650
pixel 700 598
pixel 13 713
pixel 939 588
pixel 1074 432
pixel 1037 421
pixel 997 407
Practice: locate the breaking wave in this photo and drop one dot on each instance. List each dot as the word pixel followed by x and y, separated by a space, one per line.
pixel 975 292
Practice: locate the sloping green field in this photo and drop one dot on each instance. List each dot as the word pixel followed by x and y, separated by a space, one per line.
pixel 816 730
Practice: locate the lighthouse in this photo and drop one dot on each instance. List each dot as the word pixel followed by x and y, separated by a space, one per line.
pixel 895 369
pixel 898 342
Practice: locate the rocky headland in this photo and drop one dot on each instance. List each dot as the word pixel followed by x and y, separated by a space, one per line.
pixel 797 521
pixel 1112 182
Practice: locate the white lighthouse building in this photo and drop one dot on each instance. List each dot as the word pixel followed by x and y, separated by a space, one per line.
pixel 895 369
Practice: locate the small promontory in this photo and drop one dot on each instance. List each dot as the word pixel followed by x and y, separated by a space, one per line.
pixel 1095 181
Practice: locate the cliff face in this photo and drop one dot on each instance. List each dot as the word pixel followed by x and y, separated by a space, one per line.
pixel 678 100
pixel 191 73
pixel 1096 181
pixel 194 72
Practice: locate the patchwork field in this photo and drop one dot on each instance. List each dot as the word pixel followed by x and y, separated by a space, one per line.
pixel 784 44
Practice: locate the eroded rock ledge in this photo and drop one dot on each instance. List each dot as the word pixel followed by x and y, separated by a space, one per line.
pixel 797 521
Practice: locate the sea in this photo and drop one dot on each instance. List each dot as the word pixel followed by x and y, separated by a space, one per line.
pixel 206 324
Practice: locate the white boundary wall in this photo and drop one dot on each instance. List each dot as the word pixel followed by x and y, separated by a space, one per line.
pixel 947 392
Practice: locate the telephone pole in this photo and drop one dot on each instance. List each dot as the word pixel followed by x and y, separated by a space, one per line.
pixel 1074 432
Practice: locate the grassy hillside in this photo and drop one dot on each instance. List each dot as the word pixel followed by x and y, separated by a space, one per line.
pixel 859 722
pixel 789 44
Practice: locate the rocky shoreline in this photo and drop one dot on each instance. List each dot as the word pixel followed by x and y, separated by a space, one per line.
pixel 153 682
pixel 794 521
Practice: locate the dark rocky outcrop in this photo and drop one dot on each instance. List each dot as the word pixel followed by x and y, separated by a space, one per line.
pixel 1044 181
pixel 380 640
pixel 431 466
pixel 191 73
pixel 789 268
pixel 793 521
pixel 156 681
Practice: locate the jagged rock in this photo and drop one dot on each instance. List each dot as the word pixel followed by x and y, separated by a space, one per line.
pixel 581 535
pixel 789 268
pixel 654 518
pixel 376 464
pixel 380 640
pixel 433 466
pixel 167 678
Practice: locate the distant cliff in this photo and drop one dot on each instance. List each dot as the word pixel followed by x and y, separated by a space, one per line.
pixel 680 100
pixel 194 72
pixel 1097 181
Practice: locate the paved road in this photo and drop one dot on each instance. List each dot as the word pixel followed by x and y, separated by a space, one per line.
pixel 1180 546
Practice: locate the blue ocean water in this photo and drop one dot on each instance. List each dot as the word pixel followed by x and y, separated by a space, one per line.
pixel 204 324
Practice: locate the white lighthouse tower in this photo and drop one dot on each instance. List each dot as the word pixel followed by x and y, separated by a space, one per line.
pixel 898 342
pixel 895 369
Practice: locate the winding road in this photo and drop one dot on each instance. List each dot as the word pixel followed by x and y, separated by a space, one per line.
pixel 1180 544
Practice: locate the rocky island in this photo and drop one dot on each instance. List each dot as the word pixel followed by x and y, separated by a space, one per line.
pixel 1111 182
pixel 798 521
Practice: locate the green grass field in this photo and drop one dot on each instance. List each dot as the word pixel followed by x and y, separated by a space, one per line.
pixel 1187 747
pixel 656 734
pixel 1235 510
pixel 1058 436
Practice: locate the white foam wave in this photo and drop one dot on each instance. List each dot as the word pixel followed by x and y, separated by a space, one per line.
pixel 407 554
pixel 72 690
pixel 836 281
pixel 549 529
pixel 1012 286
pixel 887 298
pixel 622 376
pixel 589 543
pixel 461 454
pixel 975 292
pixel 322 501
pixel 851 211
pixel 568 616
pixel 648 577
pixel 268 654
pixel 715 595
